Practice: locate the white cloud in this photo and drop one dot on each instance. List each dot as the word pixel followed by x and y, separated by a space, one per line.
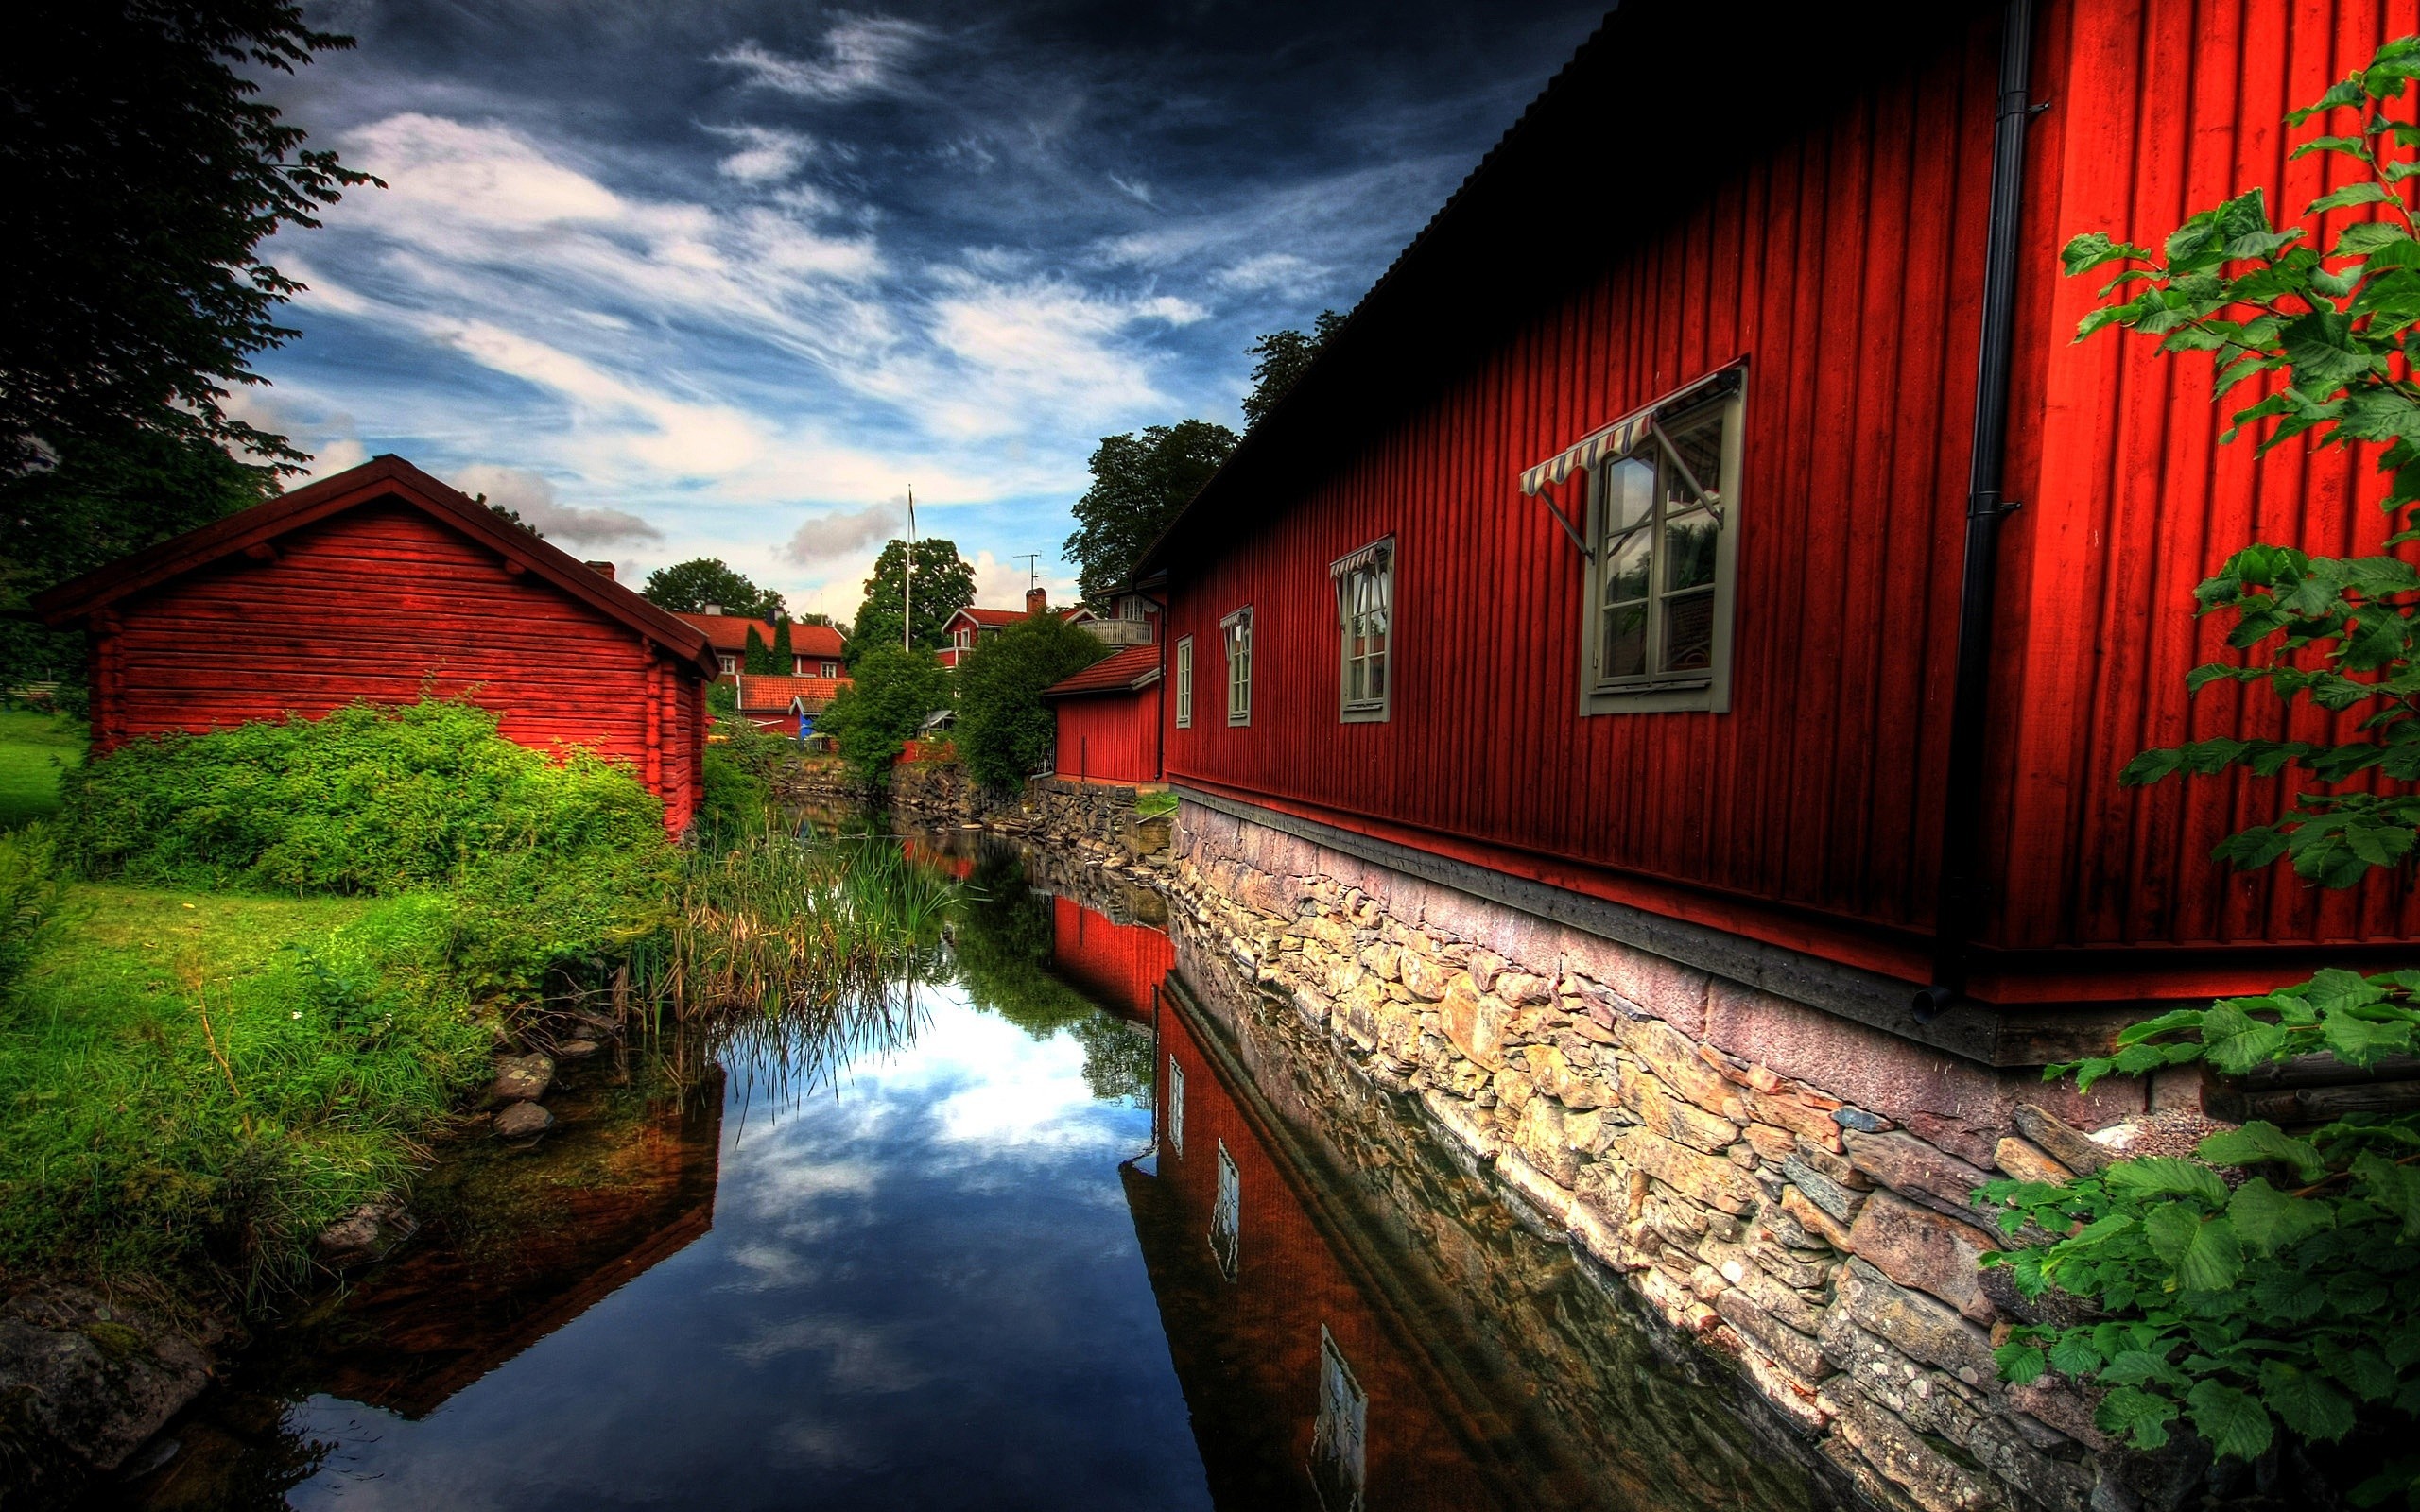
pixel 1265 271
pixel 765 154
pixel 1002 584
pixel 827 535
pixel 535 499
pixel 861 55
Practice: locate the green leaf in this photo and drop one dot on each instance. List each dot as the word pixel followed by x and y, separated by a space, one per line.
pixel 2136 1415
pixel 2074 1355
pixel 2020 1364
pixel 2363 1370
pixel 2360 1041
pixel 2149 768
pixel 2261 1141
pixel 2236 1425
pixel 2303 1401
pixel 2267 1219
pixel 2132 1367
pixel 2368 191
pixel 2396 1187
pixel 2093 248
pixel 2236 1041
pixel 2167 1176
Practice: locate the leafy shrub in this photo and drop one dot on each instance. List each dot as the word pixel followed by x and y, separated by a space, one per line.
pixel 1004 727
pixel 371 799
pixel 875 717
pixel 30 889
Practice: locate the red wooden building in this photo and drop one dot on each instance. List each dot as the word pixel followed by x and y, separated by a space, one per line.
pixel 816 650
pixel 382 583
pixel 1608 561
pixel 785 706
pixel 1118 966
pixel 1109 719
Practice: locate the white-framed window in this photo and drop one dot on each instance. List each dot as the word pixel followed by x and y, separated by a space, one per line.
pixel 831 669
pixel 966 639
pixel 730 665
pixel 1176 1108
pixel 1365 589
pixel 1130 608
pixel 1340 1432
pixel 1185 683
pixel 1236 630
pixel 1226 1215
pixel 1664 528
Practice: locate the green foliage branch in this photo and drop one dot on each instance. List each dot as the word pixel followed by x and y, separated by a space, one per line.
pixel 893 693
pixel 690 587
pixel 2273 1281
pixel 1004 727
pixel 945 584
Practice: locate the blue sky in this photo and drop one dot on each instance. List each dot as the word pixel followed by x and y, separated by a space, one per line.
pixel 724 277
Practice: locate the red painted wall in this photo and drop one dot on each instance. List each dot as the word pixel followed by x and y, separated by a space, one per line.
pixel 1109 737
pixel 1118 966
pixel 381 603
pixel 1845 267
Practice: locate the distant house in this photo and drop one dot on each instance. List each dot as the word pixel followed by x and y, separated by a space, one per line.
pixel 969 625
pixel 1128 614
pixel 786 705
pixel 816 650
pixel 1109 719
pixel 382 583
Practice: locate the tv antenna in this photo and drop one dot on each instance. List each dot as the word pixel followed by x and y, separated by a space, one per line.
pixel 1032 560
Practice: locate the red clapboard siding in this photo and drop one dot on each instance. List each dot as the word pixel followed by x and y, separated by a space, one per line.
pixel 1809 791
pixel 1842 262
pixel 382 584
pixel 1109 737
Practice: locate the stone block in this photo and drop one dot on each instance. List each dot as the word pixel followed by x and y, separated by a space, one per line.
pixel 1475 1021
pixel 1428 978
pixel 521 1078
pixel 1521 989
pixel 1914 1168
pixel 1791 1108
pixel 1673 1057
pixel 2028 1161
pixel 1827 1194
pixel 1815 1220
pixel 1655 1107
pixel 1787 1346
pixel 2059 1139
pixel 1916 1325
pixel 1383 962
pixel 1512 1089
pixel 1933 1480
pixel 1707 1179
pixel 1771 1145
pixel 1924 1249
pixel 1667 990
pixel 1538 1133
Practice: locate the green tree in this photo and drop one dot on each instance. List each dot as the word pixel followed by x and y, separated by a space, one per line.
pixel 510 517
pixel 1004 727
pixel 892 693
pixel 755 659
pixel 2288 1299
pixel 143 171
pixel 784 659
pixel 1282 356
pixel 945 584
pixel 687 588
pixel 1140 481
pixel 108 496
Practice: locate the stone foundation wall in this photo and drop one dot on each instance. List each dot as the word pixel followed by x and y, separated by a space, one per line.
pixel 1786 1185
pixel 1094 817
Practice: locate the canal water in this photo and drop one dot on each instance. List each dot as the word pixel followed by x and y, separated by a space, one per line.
pixel 1054 1228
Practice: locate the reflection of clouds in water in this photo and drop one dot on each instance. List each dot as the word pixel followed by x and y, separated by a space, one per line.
pixel 859 1359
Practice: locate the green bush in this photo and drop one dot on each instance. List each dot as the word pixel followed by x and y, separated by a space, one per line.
pixel 29 895
pixel 1004 727
pixel 892 693
pixel 372 799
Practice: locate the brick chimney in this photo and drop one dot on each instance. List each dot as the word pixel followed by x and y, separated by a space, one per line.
pixel 1037 601
pixel 602 569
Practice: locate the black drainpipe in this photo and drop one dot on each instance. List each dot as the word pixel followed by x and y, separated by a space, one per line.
pixel 1962 819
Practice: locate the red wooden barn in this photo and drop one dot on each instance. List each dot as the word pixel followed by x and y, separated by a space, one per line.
pixel 1607 562
pixel 1109 719
pixel 382 583
pixel 1118 966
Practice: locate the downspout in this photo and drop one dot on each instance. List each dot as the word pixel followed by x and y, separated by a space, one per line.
pixel 1961 817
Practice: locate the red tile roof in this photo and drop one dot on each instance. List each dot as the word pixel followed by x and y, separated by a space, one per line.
pixel 992 618
pixel 1125 672
pixel 729 632
pixel 764 693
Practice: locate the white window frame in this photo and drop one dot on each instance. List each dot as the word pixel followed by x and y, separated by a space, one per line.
pixel 1235 633
pixel 1374 563
pixel 1703 689
pixel 1227 1215
pixel 1176 1107
pixel 730 663
pixel 1185 683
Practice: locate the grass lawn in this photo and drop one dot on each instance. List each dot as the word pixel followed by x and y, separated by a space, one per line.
pixel 221 1074
pixel 32 745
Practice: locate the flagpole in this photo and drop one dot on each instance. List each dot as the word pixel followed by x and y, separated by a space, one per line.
pixel 907 593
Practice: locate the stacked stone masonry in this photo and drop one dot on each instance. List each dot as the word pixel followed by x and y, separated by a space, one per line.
pixel 1786 1185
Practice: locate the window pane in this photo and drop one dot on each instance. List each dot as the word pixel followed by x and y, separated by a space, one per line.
pixel 1378 674
pixel 1699 443
pixel 1688 632
pixel 1625 651
pixel 1626 566
pixel 1688 551
pixel 1630 491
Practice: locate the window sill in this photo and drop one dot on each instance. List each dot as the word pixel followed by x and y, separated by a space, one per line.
pixel 1671 696
pixel 1234 722
pixel 1366 714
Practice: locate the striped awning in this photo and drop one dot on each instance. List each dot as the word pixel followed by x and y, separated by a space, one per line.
pixel 1376 551
pixel 1621 439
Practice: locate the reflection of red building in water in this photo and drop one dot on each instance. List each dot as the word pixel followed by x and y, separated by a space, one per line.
pixel 1304 1392
pixel 1118 966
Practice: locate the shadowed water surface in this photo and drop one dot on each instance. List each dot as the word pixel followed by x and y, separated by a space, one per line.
pixel 1034 1237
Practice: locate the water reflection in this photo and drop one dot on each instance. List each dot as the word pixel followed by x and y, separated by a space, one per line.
pixel 1037 1230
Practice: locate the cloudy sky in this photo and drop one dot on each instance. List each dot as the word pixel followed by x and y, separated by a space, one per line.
pixel 725 276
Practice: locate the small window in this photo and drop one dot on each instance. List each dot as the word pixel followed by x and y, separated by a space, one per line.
pixel 730 666
pixel 1176 1108
pixel 1226 1215
pixel 1664 517
pixel 1238 629
pixel 1131 607
pixel 831 669
pixel 1365 587
pixel 1185 683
